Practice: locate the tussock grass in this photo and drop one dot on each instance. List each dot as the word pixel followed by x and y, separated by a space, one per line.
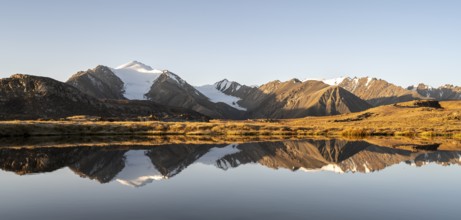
pixel 383 121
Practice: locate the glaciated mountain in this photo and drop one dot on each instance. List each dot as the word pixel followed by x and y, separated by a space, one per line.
pixel 446 92
pixel 128 81
pixel 294 99
pixel 376 91
pixel 137 81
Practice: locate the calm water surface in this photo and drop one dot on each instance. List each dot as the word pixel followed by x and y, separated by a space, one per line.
pixel 308 179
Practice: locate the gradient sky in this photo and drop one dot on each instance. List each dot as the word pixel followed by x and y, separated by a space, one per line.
pixel 402 41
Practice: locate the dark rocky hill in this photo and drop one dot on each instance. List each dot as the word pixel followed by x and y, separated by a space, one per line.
pixel 33 97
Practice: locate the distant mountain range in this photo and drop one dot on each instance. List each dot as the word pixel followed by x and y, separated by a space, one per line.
pixel 154 91
pixel 137 166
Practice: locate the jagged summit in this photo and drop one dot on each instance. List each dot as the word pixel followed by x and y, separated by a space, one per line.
pixel 445 92
pixel 225 85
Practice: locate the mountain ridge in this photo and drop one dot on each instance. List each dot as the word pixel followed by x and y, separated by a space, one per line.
pixel 227 99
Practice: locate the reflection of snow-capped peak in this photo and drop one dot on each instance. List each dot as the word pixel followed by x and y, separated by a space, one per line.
pixel 215 155
pixel 138 170
pixel 329 167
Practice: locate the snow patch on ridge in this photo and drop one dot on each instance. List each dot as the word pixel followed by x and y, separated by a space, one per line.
pixel 215 95
pixel 137 78
pixel 223 85
pixel 331 82
pixel 175 77
pixel 335 81
pixel 369 80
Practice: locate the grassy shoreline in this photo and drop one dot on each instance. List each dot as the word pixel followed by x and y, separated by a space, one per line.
pixel 228 129
pixel 392 120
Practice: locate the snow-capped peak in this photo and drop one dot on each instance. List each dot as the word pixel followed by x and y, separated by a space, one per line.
pixel 137 78
pixel 135 65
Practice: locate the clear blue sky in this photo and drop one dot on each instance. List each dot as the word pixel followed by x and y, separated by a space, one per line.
pixel 403 41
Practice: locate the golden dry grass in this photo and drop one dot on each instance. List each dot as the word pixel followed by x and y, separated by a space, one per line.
pixel 401 120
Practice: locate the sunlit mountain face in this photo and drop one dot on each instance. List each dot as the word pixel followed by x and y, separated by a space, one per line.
pixel 137 166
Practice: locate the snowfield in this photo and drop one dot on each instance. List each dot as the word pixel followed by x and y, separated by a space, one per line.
pixel 138 78
pixel 216 96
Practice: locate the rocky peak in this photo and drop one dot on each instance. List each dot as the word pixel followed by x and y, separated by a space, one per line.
pixel 227 86
pixel 99 82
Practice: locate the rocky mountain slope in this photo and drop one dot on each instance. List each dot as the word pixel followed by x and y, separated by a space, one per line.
pixel 442 93
pixel 99 82
pixel 233 88
pixel 294 99
pixel 169 89
pixel 377 91
pixel 230 100
pixel 33 97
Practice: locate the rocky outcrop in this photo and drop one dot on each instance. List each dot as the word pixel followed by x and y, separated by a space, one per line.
pixel 234 88
pixel 427 103
pixel 99 82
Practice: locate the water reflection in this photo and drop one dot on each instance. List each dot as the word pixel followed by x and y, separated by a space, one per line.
pixel 139 165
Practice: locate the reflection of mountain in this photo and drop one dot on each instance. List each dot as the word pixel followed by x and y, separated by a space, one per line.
pixel 137 166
